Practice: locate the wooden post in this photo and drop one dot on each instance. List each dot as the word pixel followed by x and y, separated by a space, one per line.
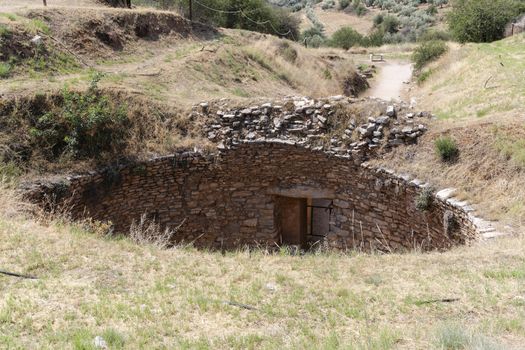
pixel 45 2
pixel 191 9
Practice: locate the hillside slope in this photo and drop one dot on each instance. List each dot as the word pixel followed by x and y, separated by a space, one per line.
pixel 162 56
pixel 478 93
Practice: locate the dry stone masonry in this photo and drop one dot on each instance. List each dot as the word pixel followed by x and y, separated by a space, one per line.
pixel 316 124
pixel 283 173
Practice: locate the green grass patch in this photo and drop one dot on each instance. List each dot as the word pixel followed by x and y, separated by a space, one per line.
pixel 10 16
pixel 5 32
pixel 9 172
pixel 506 274
pixel 5 70
pixel 446 148
pixel 237 91
pixel 423 76
pixel 38 26
pixel 512 149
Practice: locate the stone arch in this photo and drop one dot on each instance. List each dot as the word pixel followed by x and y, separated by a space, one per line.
pixel 229 199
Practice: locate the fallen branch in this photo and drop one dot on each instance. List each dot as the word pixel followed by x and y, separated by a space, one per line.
pixel 13 274
pixel 486 82
pixel 432 301
pixel 242 306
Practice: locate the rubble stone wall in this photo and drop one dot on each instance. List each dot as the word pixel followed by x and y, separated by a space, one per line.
pixel 228 200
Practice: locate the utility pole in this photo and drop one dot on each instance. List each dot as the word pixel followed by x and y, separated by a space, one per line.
pixel 191 9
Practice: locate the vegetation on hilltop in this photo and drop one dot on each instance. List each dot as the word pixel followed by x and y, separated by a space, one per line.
pixel 255 15
pixel 482 20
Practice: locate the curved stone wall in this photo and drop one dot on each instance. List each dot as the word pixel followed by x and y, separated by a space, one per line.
pixel 232 199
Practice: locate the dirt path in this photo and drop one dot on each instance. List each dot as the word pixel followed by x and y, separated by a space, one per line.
pixel 390 81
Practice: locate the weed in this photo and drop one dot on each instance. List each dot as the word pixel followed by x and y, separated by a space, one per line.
pixel 423 76
pixel 452 336
pixel 5 70
pixel 38 26
pixel 114 338
pixel 147 231
pixel 259 58
pixel 447 149
pixel 9 172
pixel 237 91
pixel 425 198
pixel 511 149
pixel 5 32
pixel 287 52
pixel 327 74
pixel 9 16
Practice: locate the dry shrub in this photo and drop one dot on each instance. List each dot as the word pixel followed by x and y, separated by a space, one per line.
pixel 147 231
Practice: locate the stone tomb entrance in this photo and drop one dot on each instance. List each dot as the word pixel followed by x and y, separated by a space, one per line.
pixel 266 193
pixel 302 222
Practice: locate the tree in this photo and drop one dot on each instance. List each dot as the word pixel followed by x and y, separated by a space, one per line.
pixel 481 20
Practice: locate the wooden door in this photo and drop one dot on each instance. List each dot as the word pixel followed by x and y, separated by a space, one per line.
pixel 293 221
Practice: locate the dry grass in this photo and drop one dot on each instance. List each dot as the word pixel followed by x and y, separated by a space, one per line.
pixel 477 80
pixel 181 71
pixel 487 122
pixel 144 297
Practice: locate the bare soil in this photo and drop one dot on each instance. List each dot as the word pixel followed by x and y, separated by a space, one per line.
pixel 391 81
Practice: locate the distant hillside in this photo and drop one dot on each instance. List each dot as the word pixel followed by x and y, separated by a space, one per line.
pixel 411 18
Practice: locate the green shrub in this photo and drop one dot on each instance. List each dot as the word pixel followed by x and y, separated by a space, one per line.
pixel 428 52
pixel 423 76
pixel 424 199
pixel 313 37
pixel 5 32
pixel 481 20
pixel 345 38
pixel 5 70
pixel 86 125
pixel 447 148
pixel 343 4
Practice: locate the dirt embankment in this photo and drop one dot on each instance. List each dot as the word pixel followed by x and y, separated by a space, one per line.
pixel 102 33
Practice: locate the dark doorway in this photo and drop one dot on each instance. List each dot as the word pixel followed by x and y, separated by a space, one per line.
pixel 291 215
pixel 302 222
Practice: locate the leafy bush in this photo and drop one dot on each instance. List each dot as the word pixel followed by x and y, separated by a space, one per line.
pixel 481 20
pixel 447 149
pixel 345 38
pixel 313 37
pixel 343 4
pixel 428 52
pixel 86 125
